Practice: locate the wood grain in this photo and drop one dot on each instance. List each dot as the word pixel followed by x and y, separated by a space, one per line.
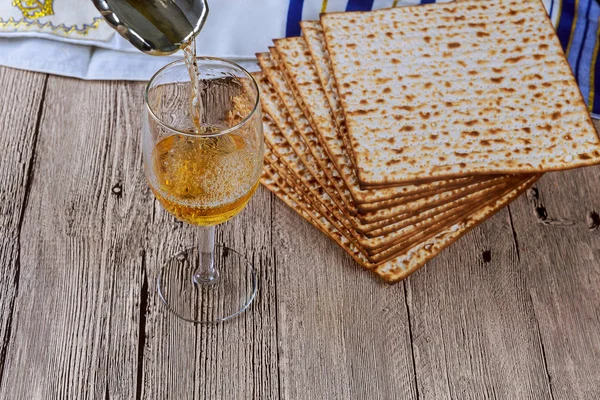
pixel 562 263
pixel 343 335
pixel 474 335
pixel 82 235
pixel 20 103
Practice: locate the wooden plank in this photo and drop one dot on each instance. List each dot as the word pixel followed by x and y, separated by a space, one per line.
pixel 557 231
pixel 76 332
pixel 245 354
pixel 343 334
pixel 20 104
pixel 473 325
pixel 168 366
pixel 128 208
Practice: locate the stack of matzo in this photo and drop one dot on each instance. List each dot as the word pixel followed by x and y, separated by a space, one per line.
pixel 396 131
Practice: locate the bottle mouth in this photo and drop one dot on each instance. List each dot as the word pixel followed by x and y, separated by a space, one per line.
pixel 203 61
pixel 157 31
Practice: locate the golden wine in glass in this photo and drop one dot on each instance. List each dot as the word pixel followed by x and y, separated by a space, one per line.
pixel 203 164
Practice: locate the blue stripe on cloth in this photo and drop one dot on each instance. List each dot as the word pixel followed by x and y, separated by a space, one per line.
pixel 292 27
pixel 427 1
pixel 566 21
pixel 359 5
pixel 596 106
pixel 578 33
pixel 585 63
pixel 582 35
pixel 551 9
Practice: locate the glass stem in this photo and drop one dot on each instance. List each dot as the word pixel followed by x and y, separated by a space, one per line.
pixel 206 274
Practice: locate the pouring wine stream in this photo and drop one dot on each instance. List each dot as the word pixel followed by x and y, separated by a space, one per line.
pixel 196 107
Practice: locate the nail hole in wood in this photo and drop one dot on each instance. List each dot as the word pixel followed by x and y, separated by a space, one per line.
pixel 487 256
pixel 117 190
pixel 593 220
pixel 541 213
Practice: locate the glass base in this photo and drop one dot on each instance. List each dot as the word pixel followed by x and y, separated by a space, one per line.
pixel 207 303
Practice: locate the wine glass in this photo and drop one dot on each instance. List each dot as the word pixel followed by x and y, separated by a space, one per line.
pixel 203 165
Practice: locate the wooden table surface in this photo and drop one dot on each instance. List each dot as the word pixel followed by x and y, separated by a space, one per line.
pixel 511 311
